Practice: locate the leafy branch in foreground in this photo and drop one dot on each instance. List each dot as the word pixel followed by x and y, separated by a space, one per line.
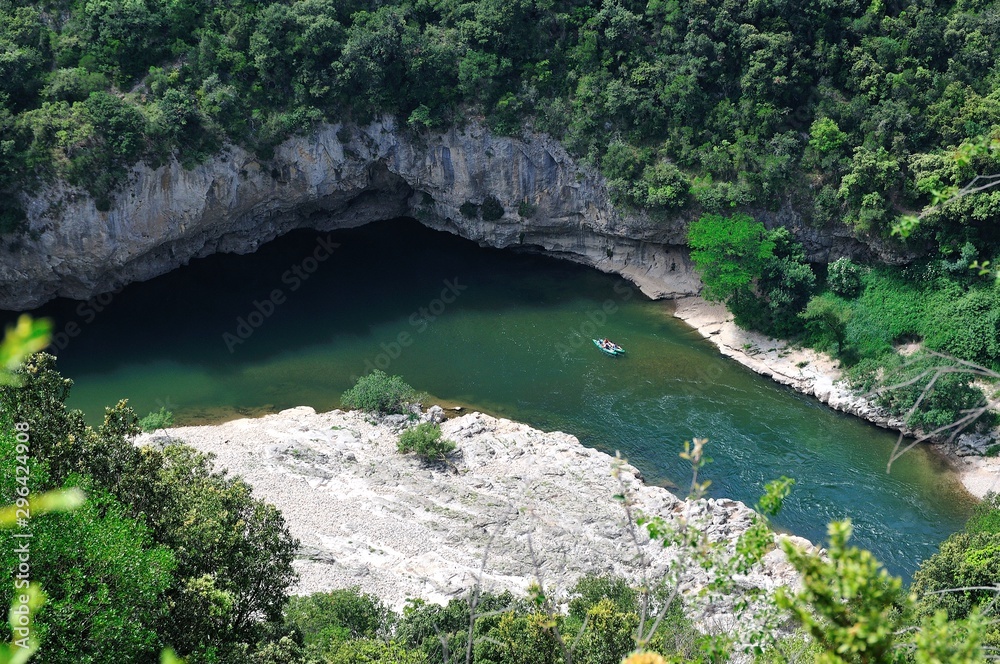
pixel 857 612
pixel 962 156
pixel 924 381
pixel 21 340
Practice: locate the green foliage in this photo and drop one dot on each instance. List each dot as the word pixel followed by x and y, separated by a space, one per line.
pixel 230 553
pixel 327 619
pixel 954 578
pixel 760 274
pixel 826 318
pixel 161 419
pixel 591 590
pixel 491 209
pixel 368 651
pixel 21 340
pixel 844 277
pixel 425 441
pixel 856 612
pixel 380 394
pixel 729 253
pixel 825 136
pixel 104 579
pixel 965 324
pixel 950 395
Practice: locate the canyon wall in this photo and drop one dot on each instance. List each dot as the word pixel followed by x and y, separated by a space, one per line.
pixel 342 176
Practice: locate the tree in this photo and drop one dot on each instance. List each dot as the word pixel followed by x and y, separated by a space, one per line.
pixel 232 552
pixel 760 275
pixel 326 619
pixel 104 577
pixel 729 253
pixel 827 317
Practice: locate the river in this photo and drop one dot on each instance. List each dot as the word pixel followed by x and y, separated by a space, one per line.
pixel 505 333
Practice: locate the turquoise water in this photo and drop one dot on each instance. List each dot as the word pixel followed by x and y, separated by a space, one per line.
pixel 501 332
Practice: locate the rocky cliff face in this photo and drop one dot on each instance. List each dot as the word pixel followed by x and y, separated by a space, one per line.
pixel 343 176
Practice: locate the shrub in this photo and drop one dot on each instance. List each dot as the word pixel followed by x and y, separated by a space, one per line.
pixel 325 619
pixel 425 440
pixel 826 317
pixel 379 393
pixel 967 327
pixel 951 394
pixel 492 209
pixel 968 559
pixel 525 209
pixel 161 419
pixel 469 210
pixel 844 277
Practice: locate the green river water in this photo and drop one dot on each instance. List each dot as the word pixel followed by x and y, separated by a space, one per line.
pixel 501 332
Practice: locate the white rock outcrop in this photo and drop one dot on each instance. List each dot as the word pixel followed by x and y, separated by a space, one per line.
pixel 517 504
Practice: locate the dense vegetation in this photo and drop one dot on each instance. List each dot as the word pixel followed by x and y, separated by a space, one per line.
pixel 843 109
pixel 969 561
pixel 166 551
pixel 861 313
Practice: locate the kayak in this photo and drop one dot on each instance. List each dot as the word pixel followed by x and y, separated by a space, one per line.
pixel 614 351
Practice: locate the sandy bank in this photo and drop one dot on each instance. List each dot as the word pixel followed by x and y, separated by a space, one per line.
pixel 816 374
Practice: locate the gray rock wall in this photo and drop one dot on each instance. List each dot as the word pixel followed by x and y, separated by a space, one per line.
pixel 344 176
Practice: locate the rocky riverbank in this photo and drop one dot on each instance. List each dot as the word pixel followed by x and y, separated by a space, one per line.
pixel 817 374
pixel 518 505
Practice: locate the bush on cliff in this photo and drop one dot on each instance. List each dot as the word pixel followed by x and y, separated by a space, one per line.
pixel 426 442
pixel 380 394
pixel 968 561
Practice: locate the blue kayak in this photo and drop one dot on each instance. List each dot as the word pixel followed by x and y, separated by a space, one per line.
pixel 611 348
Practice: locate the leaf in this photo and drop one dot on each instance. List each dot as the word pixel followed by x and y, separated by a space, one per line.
pixel 21 340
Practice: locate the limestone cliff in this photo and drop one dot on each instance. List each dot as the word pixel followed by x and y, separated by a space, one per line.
pixel 343 176
pixel 517 503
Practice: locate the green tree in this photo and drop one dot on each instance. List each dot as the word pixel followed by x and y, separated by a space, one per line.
pixel 104 578
pixel 729 253
pixel 232 553
pixel 327 619
pixel 760 275
pixel 826 317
